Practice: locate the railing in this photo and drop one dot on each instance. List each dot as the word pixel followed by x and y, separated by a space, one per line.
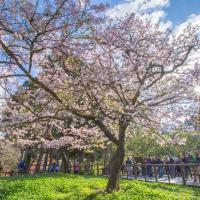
pixel 186 174
pixel 93 169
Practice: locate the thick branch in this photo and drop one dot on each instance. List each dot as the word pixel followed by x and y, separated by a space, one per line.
pixel 106 131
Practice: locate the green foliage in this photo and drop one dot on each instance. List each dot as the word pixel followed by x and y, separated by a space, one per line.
pixel 149 143
pixel 71 187
pixel 143 143
pixel 191 144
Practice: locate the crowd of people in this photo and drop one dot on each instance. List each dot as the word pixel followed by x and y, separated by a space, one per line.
pixel 54 166
pixel 188 165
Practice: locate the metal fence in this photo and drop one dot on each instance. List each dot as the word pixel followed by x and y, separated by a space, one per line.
pixel 93 169
pixel 186 174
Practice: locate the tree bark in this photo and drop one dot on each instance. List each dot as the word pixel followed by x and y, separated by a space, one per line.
pixel 45 161
pixel 116 163
pixel 117 159
pixel 27 159
pixel 64 162
pixel 37 167
pixel 50 159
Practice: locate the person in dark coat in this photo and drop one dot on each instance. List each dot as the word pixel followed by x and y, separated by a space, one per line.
pixel 187 169
pixel 159 167
pixel 149 167
pixel 129 167
pixel 171 167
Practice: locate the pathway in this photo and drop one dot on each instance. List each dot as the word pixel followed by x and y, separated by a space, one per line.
pixel 164 179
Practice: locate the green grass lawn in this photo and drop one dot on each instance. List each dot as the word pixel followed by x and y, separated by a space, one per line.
pixel 62 186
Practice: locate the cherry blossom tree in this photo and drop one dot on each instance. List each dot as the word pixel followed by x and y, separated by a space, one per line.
pixel 50 135
pixel 114 74
pixel 22 124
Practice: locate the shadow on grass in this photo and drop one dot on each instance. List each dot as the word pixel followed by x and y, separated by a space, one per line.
pixel 11 185
pixel 7 191
pixel 14 186
pixel 49 175
pixel 94 195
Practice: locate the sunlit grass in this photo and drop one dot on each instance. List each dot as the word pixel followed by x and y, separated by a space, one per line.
pixel 71 187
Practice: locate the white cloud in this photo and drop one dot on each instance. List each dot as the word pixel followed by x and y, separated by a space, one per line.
pixel 193 19
pixel 152 9
pixel 157 15
pixel 149 4
pixel 165 25
pixel 130 6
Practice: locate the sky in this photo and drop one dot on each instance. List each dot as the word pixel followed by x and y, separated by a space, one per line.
pixel 171 13
pixel 179 10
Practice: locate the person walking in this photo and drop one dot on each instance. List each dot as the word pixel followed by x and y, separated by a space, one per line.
pixel 149 167
pixel 198 167
pixel 178 168
pixel 171 167
pixel 76 168
pixel 57 167
pixel 129 167
pixel 193 161
pixel 69 166
pixel 187 169
pixel 159 162
pixel 22 167
pixel 53 166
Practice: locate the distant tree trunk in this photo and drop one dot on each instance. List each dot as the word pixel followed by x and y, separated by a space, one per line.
pixel 50 159
pixel 117 159
pixel 74 162
pixel 27 159
pixel 45 161
pixel 38 164
pixel 1 168
pixel 64 162
pixel 105 157
pixel 58 156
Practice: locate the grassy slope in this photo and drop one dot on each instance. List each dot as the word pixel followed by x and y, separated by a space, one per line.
pixel 61 186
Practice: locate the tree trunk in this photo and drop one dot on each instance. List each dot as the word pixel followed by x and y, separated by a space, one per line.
pixel 116 163
pixel 45 161
pixel 74 162
pixel 117 159
pixel 64 162
pixel 37 167
pixel 50 159
pixel 27 159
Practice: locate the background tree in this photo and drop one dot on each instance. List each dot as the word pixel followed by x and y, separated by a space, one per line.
pixel 51 136
pixel 142 143
pixel 10 155
pixel 175 143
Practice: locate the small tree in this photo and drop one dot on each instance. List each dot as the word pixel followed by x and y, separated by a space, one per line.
pixel 10 155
